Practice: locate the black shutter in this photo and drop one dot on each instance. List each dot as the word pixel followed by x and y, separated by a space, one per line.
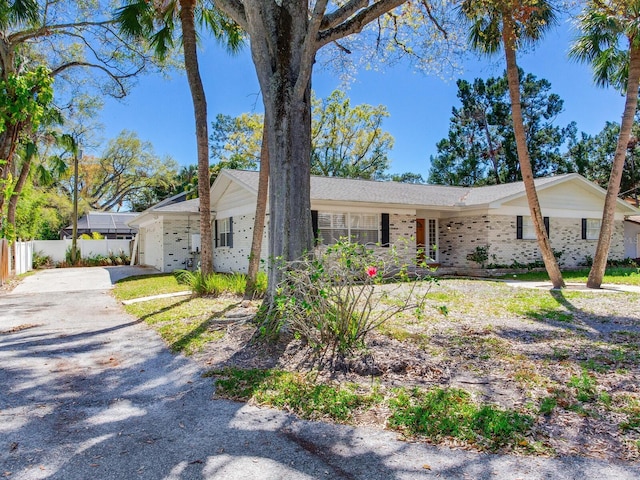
pixel 519 227
pixel 230 235
pixel 384 228
pixel 314 225
pixel 546 225
pixel 215 235
pixel 584 229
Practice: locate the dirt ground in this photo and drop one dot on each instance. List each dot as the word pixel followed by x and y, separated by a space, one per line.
pixel 517 348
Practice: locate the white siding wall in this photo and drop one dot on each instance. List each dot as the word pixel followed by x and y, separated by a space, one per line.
pixel 631 239
pixel 236 258
pixel 176 240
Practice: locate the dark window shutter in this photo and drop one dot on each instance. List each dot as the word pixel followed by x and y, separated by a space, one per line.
pixel 215 235
pixel 314 224
pixel 584 229
pixel 384 228
pixel 519 227
pixel 546 226
pixel 230 236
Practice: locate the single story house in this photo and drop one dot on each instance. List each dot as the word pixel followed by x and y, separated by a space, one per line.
pixel 449 223
pixel 632 237
pixel 111 225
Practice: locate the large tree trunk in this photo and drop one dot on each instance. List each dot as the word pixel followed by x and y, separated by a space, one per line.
pixel 550 262
pixel 258 222
pixel 283 70
pixel 608 215
pixel 187 17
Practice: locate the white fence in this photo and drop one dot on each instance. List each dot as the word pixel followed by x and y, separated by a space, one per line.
pixel 23 257
pixel 57 249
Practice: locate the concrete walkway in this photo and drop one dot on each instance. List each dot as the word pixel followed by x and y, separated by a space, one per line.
pixel 605 288
pixel 90 393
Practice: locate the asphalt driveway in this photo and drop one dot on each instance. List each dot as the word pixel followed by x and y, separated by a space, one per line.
pixel 87 392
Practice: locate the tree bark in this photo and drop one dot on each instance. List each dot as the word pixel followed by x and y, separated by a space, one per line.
pixel 599 266
pixel 280 65
pixel 259 220
pixel 189 42
pixel 550 262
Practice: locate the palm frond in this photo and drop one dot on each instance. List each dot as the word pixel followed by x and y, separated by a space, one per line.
pixel 19 12
pixel 605 38
pixel 225 31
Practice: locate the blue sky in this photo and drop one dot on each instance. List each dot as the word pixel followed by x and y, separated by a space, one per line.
pixel 161 112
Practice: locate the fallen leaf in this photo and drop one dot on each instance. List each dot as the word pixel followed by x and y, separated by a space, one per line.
pixel 426 466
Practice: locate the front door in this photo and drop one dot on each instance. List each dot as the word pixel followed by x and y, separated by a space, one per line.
pixel 427 239
pixel 420 245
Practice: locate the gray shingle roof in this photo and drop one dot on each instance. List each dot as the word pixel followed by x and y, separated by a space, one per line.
pixel 395 193
pixel 186 206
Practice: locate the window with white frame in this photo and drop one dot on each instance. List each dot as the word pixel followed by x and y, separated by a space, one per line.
pixel 593 228
pixel 525 230
pixel 528 230
pixel 224 232
pixel 357 227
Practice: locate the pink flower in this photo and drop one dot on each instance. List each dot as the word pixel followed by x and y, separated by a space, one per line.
pixel 372 271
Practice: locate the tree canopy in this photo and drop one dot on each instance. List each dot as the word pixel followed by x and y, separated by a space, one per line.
pixel 346 140
pixel 481 148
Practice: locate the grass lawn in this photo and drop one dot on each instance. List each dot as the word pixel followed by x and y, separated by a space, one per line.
pixel 616 275
pixel 187 324
pixel 147 285
pixel 504 370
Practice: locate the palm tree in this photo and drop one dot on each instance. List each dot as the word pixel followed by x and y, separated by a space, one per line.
pixel 511 24
pixel 610 40
pixel 155 22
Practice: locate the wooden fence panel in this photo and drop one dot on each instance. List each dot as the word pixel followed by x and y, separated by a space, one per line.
pixel 4 261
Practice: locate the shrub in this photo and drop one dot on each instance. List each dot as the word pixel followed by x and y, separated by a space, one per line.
pixel 40 260
pixel 480 255
pixel 67 257
pixel 214 284
pixel 335 298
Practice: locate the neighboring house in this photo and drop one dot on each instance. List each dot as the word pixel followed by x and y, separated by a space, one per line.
pixel 449 223
pixel 632 237
pixel 111 225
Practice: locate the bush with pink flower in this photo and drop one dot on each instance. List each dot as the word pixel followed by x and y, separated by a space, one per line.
pixel 336 297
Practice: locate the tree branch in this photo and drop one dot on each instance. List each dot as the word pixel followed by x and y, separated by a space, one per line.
pixel 46 30
pixel 309 48
pixel 357 22
pixel 234 9
pixel 343 13
pixel 116 78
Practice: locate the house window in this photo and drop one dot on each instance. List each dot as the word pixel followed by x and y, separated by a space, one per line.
pixel 224 232
pixel 525 230
pixel 357 227
pixel 591 228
